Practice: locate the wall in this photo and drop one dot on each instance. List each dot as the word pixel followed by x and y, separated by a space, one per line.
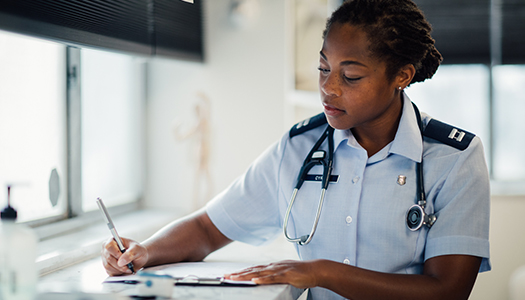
pixel 507 246
pixel 243 76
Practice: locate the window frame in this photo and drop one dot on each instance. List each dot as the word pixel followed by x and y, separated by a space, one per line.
pixel 74 218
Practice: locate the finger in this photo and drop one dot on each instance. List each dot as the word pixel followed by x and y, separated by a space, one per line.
pixel 135 254
pixel 282 272
pixel 245 271
pixel 126 258
pixel 111 254
pixel 269 279
pixel 111 247
pixel 249 276
pixel 270 268
pixel 110 264
pixel 293 274
pixel 112 271
pixel 262 277
pixel 127 243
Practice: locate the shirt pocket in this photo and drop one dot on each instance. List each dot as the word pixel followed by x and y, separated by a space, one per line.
pixel 384 241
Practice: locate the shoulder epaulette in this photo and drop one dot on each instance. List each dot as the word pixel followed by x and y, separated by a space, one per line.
pixel 308 124
pixel 448 134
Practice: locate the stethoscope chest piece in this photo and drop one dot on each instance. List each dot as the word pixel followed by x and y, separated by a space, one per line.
pixel 416 218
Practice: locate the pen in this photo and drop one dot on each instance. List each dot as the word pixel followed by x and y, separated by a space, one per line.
pixel 113 230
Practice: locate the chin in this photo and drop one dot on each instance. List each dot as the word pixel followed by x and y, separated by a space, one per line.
pixel 338 123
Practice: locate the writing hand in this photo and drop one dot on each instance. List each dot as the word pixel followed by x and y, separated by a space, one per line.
pixel 115 262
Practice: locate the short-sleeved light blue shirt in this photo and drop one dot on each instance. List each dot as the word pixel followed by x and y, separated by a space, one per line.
pixel 363 219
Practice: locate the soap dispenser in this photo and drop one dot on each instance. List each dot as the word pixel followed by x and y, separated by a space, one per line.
pixel 18 273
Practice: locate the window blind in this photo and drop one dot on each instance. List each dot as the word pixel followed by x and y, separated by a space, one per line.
pixel 462 29
pixel 148 27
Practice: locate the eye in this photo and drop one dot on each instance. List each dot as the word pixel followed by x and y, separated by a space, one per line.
pixel 352 79
pixel 323 71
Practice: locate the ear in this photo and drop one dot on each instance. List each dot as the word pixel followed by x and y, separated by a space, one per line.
pixel 405 75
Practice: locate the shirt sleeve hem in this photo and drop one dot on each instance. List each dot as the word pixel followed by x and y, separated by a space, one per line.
pixel 460 245
pixel 227 226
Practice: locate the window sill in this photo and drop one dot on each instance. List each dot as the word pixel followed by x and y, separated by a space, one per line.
pixel 83 244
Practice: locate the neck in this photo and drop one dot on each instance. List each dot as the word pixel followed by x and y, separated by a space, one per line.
pixel 375 136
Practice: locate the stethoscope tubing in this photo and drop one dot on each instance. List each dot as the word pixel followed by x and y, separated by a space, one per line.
pixel 305 239
pixel 307 165
pixel 416 216
pixel 287 217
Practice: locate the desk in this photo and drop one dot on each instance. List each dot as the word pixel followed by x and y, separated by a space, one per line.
pixel 87 277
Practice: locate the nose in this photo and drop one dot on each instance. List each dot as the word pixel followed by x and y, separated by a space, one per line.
pixel 330 85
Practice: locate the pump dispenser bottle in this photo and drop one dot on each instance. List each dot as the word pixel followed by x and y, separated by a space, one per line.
pixel 18 273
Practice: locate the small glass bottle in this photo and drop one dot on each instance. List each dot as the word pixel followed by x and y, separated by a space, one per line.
pixel 18 273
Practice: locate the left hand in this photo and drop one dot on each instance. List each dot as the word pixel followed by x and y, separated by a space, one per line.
pixel 300 274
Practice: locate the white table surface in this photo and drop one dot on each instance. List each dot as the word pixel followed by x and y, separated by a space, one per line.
pixel 83 281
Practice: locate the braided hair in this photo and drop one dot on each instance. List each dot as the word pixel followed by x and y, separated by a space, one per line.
pixel 397 31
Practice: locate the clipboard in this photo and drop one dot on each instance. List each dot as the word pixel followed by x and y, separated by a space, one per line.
pixel 192 280
pixel 201 274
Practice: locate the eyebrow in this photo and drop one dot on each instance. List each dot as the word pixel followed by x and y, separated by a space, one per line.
pixel 344 62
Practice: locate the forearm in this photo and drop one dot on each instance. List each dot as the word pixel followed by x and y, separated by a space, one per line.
pixel 356 283
pixel 189 239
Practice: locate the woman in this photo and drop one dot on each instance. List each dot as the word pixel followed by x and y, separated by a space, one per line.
pixel 362 247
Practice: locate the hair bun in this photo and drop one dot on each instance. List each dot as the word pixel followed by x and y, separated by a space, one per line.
pixel 429 65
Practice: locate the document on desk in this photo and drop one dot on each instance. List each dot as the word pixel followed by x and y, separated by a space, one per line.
pixel 194 273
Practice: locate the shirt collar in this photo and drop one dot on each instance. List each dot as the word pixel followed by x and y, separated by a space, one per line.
pixel 407 142
pixel 340 136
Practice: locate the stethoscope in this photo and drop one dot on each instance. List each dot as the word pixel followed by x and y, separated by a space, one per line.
pixel 416 216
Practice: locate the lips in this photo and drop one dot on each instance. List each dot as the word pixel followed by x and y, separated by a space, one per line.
pixel 332 110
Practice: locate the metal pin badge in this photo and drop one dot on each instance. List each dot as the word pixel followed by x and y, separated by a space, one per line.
pixel 401 179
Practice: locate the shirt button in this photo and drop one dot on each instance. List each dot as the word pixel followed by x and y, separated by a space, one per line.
pixel 346 261
pixel 356 179
pixel 348 220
